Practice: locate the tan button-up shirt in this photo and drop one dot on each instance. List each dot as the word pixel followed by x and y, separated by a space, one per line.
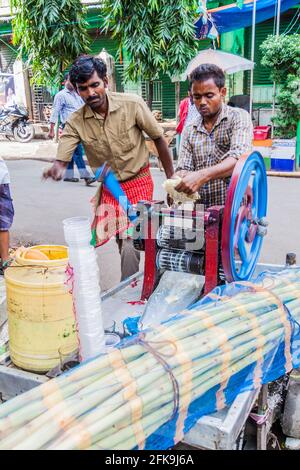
pixel 118 140
pixel 231 136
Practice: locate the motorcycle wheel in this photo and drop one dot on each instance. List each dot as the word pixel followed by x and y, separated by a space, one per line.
pixel 23 132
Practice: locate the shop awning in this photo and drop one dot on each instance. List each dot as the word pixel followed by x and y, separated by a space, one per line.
pixel 231 17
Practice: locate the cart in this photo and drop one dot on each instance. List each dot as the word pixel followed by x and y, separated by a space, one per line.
pixel 225 429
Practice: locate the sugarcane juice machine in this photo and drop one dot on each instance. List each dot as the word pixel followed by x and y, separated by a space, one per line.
pixel 232 234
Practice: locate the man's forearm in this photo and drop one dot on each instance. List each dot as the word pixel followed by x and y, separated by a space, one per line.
pixel 221 170
pixel 193 180
pixel 165 156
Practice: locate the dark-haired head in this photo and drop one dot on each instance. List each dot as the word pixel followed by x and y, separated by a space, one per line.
pixel 88 76
pixel 67 82
pixel 206 71
pixel 208 90
pixel 84 67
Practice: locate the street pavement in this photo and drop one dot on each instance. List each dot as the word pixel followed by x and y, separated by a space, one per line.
pixel 36 149
pixel 41 206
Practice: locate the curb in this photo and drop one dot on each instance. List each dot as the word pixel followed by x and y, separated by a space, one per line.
pixel 153 164
pixel 284 174
pixel 39 159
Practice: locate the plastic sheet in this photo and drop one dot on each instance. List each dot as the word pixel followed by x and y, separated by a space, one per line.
pixel 175 292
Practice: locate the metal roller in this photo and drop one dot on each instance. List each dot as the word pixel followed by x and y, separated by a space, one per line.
pixel 173 237
pixel 182 261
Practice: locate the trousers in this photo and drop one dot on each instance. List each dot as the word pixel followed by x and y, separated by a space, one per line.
pixel 130 257
pixel 78 160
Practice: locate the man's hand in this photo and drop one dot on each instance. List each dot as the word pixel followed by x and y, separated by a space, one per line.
pixel 192 181
pixel 56 171
pixel 51 133
pixel 181 173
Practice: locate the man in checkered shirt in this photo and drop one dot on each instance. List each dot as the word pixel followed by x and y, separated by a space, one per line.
pixel 212 144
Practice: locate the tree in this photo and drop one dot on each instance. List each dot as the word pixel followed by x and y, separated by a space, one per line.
pixel 50 35
pixel 281 55
pixel 158 36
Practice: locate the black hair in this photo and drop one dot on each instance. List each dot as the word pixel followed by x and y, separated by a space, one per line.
pixel 206 71
pixel 66 76
pixel 84 67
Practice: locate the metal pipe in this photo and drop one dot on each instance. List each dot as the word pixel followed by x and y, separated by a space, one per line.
pixel 274 84
pixel 252 55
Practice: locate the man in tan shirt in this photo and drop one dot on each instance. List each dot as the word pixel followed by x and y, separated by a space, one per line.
pixel 111 128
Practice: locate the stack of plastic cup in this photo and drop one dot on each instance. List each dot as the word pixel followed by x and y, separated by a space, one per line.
pixel 86 289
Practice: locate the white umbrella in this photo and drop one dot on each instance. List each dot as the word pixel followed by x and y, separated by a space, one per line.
pixel 229 63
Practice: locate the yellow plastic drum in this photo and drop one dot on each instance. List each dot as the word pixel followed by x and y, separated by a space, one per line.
pixel 40 308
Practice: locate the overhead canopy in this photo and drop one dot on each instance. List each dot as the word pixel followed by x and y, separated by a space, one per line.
pixel 229 63
pixel 231 17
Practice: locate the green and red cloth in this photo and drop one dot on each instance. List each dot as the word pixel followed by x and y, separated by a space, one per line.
pixel 110 219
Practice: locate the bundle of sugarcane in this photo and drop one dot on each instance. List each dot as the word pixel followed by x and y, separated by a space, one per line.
pixel 119 399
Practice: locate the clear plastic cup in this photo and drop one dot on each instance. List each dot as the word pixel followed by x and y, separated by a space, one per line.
pixel 111 340
pixel 77 230
pixel 110 327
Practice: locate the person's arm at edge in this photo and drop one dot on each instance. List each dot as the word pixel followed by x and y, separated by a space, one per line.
pixel 54 115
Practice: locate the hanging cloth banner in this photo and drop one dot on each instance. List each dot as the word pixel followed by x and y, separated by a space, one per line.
pixel 231 17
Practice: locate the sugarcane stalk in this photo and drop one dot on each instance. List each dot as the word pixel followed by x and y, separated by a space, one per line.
pixel 95 427
pixel 98 365
pixel 86 391
pixel 205 380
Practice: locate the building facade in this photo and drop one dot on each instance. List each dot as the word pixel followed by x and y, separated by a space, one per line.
pixel 164 90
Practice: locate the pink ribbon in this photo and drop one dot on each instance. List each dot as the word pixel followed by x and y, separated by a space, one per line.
pixel 69 282
pixel 260 419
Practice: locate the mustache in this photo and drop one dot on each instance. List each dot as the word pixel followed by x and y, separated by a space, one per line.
pixel 90 100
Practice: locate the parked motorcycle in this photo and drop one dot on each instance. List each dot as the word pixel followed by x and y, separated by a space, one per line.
pixel 14 122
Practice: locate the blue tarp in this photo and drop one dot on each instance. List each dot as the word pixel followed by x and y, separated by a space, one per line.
pixel 231 17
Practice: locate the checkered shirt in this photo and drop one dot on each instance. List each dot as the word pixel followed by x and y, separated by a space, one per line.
pixel 231 136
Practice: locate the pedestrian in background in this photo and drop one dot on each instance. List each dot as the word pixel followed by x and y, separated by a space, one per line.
pixel 187 114
pixel 6 215
pixel 65 103
pixel 187 111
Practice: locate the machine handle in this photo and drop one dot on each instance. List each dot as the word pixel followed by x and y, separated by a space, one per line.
pixel 105 175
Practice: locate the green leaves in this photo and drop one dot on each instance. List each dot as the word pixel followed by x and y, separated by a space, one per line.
pixel 281 55
pixel 157 34
pixel 50 35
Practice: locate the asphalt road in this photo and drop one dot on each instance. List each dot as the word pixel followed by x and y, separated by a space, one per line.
pixel 40 208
